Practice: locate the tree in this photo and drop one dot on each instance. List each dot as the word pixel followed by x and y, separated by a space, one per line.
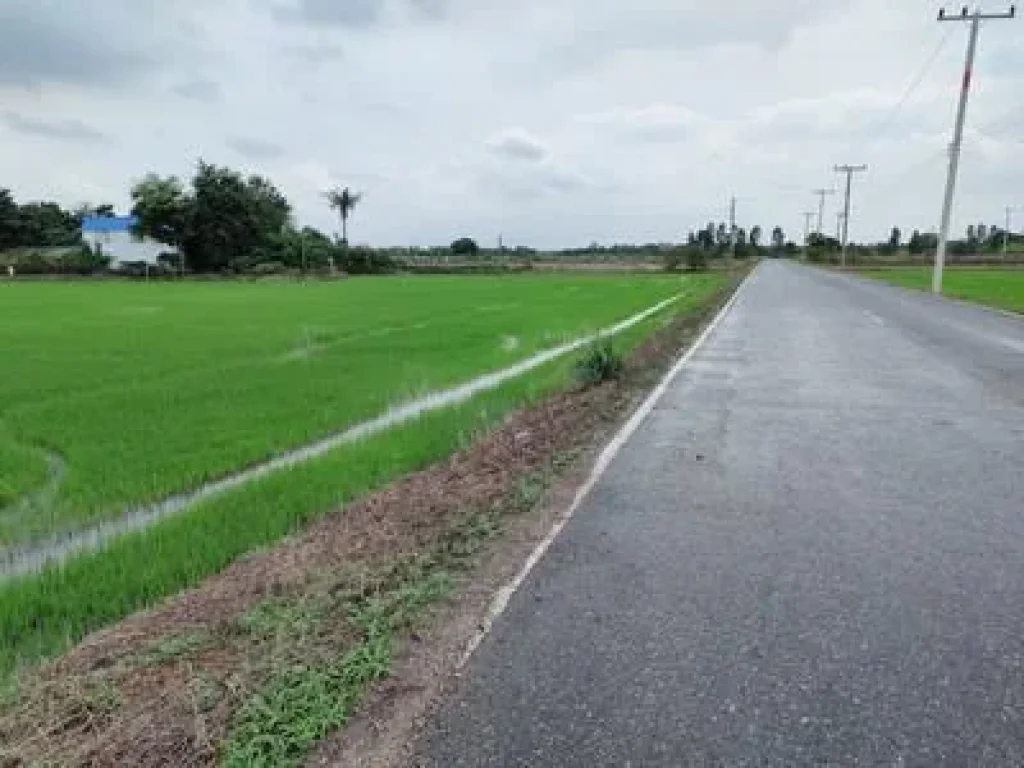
pixel 233 221
pixel 162 209
pixel 755 236
pixel 722 236
pixel 9 220
pixel 895 238
pixel 982 231
pixel 465 246
pixel 343 201
pixel 224 221
pixel 972 235
pixel 778 238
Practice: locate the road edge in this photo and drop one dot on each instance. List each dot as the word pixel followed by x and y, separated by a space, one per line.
pixel 504 594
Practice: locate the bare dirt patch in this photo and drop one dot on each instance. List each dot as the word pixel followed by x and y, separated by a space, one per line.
pixel 162 688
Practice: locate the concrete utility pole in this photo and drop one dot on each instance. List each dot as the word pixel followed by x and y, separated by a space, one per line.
pixel 958 132
pixel 808 218
pixel 732 228
pixel 839 225
pixel 1006 232
pixel 849 170
pixel 822 193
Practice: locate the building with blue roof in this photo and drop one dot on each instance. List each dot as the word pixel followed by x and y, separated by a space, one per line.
pixel 115 237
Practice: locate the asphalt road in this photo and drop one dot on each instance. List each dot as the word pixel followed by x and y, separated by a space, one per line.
pixel 812 552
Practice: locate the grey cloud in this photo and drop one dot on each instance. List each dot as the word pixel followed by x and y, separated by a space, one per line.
pixel 255 149
pixel 60 130
pixel 590 31
pixel 655 123
pixel 358 14
pixel 517 145
pixel 314 53
pixel 43 42
pixel 199 89
pixel 346 13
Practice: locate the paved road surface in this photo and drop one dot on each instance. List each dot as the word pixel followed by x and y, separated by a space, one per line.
pixel 812 552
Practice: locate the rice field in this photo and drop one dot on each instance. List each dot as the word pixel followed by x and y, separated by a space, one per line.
pixel 142 392
pixel 996 287
pixel 138 391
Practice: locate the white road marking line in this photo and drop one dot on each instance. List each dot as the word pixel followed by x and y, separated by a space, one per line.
pixel 604 460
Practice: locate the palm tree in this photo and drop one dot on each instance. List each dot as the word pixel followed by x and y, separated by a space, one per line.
pixel 344 201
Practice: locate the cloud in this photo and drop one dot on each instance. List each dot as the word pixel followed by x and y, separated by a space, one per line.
pixel 256 149
pixel 554 121
pixel 517 144
pixel 357 14
pixel 60 130
pixel 43 42
pixel 199 89
pixel 655 122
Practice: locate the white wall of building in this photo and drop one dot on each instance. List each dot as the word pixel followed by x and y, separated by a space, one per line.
pixel 124 246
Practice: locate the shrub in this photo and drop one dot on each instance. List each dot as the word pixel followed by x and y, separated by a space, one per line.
pixel 696 259
pixel 599 363
pixel 267 268
pixel 672 259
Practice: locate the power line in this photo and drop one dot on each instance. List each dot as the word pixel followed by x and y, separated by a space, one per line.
pixel 958 132
pixel 914 84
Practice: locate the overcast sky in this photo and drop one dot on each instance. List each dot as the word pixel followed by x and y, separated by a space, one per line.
pixel 555 122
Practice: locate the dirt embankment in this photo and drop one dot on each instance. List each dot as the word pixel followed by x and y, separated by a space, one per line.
pixel 359 620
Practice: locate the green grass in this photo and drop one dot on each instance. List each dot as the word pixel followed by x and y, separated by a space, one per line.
pixel 22 469
pixel 43 614
pixel 149 389
pixel 1003 288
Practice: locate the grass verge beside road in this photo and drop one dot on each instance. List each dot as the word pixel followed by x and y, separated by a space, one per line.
pixel 1001 288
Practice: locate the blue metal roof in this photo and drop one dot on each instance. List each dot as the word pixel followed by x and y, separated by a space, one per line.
pixel 105 224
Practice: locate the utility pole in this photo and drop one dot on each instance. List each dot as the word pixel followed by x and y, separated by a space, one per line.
pixel 732 228
pixel 839 225
pixel 808 217
pixel 1006 232
pixel 958 131
pixel 849 170
pixel 822 193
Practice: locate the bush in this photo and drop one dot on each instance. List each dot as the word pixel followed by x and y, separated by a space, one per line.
pixel 696 259
pixel 267 268
pixel 672 259
pixel 600 363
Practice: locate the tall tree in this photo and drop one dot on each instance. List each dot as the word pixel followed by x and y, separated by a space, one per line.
pixel 223 221
pixel 722 235
pixel 982 231
pixel 9 220
pixel 972 234
pixel 778 238
pixel 163 211
pixel 343 201
pixel 895 238
pixel 755 236
pixel 233 221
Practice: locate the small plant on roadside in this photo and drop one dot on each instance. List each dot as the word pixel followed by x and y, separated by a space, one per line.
pixel 599 363
pixel 176 646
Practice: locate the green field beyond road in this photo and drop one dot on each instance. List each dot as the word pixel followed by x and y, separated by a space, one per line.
pixel 123 393
pixel 1003 288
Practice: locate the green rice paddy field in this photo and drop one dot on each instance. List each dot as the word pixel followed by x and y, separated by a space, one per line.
pixel 116 394
pixel 1002 288
pixel 139 391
